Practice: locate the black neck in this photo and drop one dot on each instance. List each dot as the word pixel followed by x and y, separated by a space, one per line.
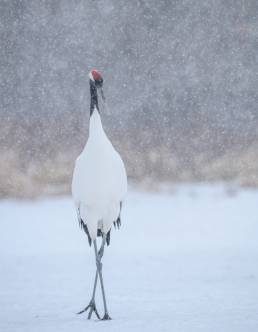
pixel 93 98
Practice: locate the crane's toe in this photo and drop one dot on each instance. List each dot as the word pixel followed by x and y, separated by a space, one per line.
pixel 106 317
pixel 92 308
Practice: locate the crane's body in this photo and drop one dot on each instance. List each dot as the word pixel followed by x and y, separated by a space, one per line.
pixel 99 182
pixel 99 186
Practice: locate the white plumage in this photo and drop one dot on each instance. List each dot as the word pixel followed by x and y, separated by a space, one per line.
pixel 99 181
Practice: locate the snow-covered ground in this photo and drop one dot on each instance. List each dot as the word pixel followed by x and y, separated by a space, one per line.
pixel 185 260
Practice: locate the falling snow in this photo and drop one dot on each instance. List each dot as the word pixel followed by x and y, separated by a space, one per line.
pixel 180 79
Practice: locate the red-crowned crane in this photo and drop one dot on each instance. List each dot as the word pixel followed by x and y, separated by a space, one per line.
pixel 99 186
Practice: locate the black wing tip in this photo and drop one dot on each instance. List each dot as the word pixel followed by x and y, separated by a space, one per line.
pixel 85 228
pixel 108 238
pixel 117 223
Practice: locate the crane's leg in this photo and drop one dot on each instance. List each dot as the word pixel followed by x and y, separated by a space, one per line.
pixel 99 269
pixel 92 305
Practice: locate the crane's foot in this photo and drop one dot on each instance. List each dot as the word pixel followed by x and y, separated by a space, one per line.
pixel 106 317
pixel 92 308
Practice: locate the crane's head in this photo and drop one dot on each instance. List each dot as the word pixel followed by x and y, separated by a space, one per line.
pixel 96 78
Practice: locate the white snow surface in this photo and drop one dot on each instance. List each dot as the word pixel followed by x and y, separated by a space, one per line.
pixel 183 260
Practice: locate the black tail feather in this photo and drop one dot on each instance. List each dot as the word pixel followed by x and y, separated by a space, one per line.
pixel 107 237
